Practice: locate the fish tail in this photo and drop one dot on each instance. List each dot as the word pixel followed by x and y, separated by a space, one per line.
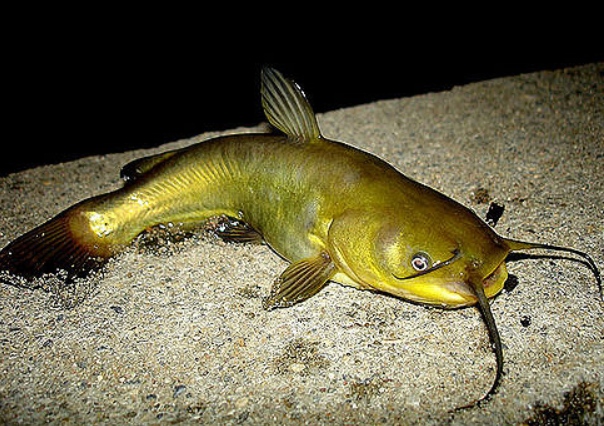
pixel 66 244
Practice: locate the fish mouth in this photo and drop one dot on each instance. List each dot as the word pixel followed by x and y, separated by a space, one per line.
pixel 492 284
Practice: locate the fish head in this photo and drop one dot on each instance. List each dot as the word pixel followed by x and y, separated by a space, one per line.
pixel 436 262
pixel 438 267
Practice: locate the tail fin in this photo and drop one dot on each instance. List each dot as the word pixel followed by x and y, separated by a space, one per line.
pixel 65 245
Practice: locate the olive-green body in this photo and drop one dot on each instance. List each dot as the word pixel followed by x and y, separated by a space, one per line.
pixel 289 192
pixel 281 189
pixel 293 194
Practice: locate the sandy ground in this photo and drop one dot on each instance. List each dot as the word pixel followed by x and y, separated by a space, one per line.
pixel 178 334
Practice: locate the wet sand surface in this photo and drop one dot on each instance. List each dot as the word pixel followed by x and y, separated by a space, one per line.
pixel 176 333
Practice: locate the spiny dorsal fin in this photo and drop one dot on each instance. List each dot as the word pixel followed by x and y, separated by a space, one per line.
pixel 287 108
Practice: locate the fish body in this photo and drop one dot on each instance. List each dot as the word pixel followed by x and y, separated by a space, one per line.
pixel 293 194
pixel 335 212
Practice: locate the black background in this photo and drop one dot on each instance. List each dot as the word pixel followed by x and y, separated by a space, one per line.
pixel 109 83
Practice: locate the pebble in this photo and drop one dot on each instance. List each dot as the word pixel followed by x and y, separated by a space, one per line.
pixel 178 390
pixel 117 309
pixel 242 402
pixel 297 367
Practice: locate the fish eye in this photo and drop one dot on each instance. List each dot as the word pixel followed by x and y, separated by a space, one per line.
pixel 420 262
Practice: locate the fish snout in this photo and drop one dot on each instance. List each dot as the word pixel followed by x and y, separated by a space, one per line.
pixel 465 293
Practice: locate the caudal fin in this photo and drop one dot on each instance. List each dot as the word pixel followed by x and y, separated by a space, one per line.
pixel 64 245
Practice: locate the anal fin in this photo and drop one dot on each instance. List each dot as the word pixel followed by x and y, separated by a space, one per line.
pixel 300 281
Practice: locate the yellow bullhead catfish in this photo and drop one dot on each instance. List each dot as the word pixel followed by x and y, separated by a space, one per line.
pixel 335 212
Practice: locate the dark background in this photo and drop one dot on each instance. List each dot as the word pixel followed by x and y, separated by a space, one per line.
pixel 101 85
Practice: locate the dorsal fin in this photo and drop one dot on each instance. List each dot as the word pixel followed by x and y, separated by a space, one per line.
pixel 136 168
pixel 287 108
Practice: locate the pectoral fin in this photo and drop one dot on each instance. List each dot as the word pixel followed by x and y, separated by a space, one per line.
pixel 301 280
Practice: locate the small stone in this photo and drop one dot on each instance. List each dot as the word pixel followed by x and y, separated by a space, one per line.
pixel 242 402
pixel 525 321
pixel 117 309
pixel 297 367
pixel 178 390
pixel 480 195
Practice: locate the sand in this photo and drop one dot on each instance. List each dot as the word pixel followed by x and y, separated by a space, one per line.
pixel 177 335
